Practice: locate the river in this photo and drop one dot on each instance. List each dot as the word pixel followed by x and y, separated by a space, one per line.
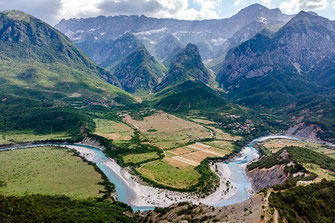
pixel 142 197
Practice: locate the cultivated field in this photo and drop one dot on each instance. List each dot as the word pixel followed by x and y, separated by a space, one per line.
pixel 193 154
pixel 322 173
pixel 168 131
pixel 28 136
pixel 201 120
pixel 177 137
pixel 113 130
pixel 220 134
pixel 275 145
pixel 138 158
pixel 48 170
pixel 163 173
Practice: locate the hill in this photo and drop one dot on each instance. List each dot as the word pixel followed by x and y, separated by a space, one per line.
pixel 38 208
pixel 189 95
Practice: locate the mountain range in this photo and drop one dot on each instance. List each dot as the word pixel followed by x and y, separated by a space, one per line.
pixel 214 37
pixel 263 59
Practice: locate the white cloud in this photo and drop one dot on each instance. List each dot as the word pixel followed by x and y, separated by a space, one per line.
pixel 44 9
pixel 54 10
pixel 178 9
pixel 266 3
pixel 237 2
pixel 208 9
pixel 294 6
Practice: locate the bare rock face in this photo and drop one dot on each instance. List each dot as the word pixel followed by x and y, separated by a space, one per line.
pixel 247 211
pixel 92 142
pixel 306 132
pixel 266 178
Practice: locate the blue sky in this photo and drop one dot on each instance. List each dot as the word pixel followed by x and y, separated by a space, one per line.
pixel 52 11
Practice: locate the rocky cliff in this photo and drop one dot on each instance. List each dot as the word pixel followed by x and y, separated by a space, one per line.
pixel 266 178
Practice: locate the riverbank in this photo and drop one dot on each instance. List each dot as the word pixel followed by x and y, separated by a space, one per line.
pixel 147 196
pixel 234 186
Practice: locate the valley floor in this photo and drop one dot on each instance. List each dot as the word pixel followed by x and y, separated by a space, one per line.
pixel 146 196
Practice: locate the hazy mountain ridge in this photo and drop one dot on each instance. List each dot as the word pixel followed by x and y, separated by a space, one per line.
pixel 152 30
pixel 110 53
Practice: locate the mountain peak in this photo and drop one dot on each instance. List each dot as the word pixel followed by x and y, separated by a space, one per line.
pixel 308 19
pixel 254 8
pixel 192 49
pixel 17 15
pixel 186 65
pixel 139 72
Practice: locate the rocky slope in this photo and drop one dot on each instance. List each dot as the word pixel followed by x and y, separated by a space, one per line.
pixel 266 178
pixel 250 210
pixel 108 54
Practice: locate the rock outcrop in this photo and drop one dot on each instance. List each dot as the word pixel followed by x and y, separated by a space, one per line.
pixel 266 178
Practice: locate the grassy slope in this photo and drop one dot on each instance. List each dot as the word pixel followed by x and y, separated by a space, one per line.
pixel 188 95
pixel 48 171
pixel 39 61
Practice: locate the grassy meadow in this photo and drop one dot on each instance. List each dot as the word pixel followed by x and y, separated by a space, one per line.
pixel 48 171
pixel 138 158
pixel 114 130
pixel 28 136
pixel 163 173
